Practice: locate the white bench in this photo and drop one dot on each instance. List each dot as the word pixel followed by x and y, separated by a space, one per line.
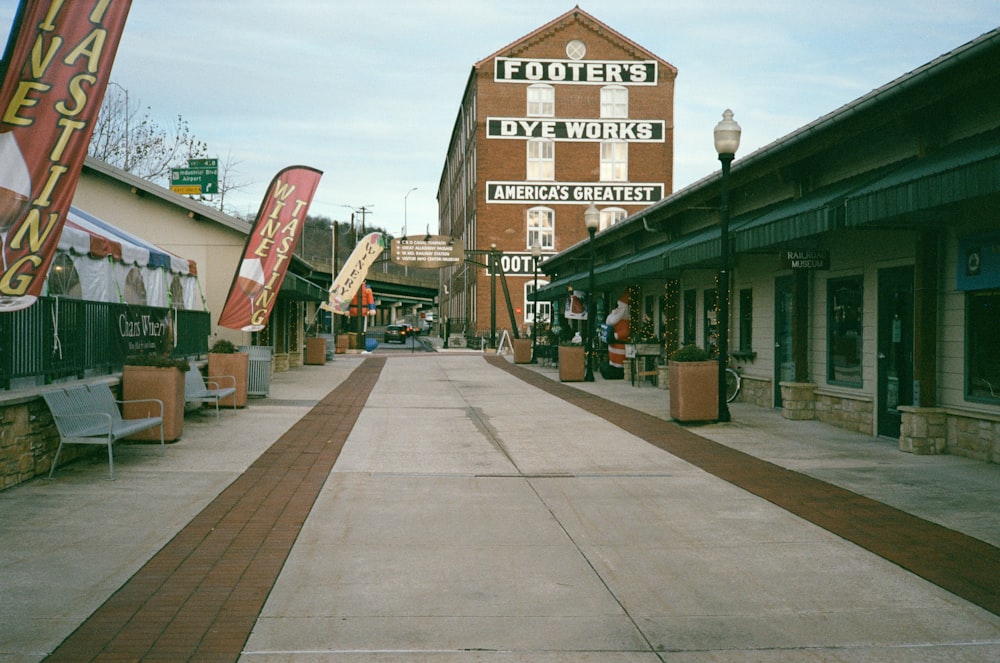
pixel 199 390
pixel 89 414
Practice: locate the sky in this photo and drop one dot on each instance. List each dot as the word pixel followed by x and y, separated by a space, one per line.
pixel 368 91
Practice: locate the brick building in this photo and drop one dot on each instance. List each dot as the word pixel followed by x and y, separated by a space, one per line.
pixel 571 114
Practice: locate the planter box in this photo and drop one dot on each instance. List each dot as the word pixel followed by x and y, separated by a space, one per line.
pixel 315 351
pixel 522 350
pixel 694 390
pixel 571 363
pixel 165 384
pixel 236 364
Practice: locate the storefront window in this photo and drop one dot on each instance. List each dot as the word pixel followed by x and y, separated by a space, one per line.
pixel 982 346
pixel 844 311
pixel 746 320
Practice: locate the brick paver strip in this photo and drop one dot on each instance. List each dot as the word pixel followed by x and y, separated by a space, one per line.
pixel 961 564
pixel 198 597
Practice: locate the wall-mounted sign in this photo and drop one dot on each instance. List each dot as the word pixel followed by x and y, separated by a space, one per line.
pixel 583 72
pixel 805 259
pixel 622 193
pixel 631 131
pixel 516 264
pixel 430 251
pixel 978 262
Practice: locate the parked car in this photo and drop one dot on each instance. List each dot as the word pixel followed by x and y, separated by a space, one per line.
pixel 396 333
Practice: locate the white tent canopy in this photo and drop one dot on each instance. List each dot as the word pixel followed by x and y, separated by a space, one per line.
pixel 97 261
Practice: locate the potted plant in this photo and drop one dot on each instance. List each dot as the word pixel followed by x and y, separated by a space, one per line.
pixel 225 359
pixel 694 385
pixel 160 377
pixel 572 361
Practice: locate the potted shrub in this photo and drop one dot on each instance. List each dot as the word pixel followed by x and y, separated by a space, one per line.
pixel 694 385
pixel 159 377
pixel 572 362
pixel 225 359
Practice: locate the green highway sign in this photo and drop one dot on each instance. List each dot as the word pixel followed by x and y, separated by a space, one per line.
pixel 186 180
pixel 203 163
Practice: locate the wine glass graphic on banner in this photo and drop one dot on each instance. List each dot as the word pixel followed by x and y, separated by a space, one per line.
pixel 15 198
pixel 251 282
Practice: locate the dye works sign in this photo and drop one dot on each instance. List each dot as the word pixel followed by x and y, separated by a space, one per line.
pixel 630 131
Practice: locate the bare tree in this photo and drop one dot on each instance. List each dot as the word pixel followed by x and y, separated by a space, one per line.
pixel 127 136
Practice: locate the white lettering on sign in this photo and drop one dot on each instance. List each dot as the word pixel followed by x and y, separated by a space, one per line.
pixel 573 192
pixel 633 131
pixel 584 72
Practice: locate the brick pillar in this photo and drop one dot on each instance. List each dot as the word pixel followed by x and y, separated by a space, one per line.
pixel 797 400
pixel 923 430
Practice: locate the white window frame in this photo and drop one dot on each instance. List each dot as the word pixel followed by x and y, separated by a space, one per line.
pixel 611 216
pixel 614 101
pixel 544 308
pixel 541 101
pixel 614 161
pixel 541 160
pixel 541 228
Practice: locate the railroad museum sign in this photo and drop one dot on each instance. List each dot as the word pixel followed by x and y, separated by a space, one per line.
pixel 805 259
pixel 431 251
pixel 574 193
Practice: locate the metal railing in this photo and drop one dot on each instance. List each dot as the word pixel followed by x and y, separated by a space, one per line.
pixel 58 338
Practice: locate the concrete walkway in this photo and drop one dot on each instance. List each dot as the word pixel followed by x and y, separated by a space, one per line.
pixel 471 515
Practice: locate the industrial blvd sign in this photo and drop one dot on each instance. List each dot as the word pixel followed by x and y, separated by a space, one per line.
pixel 200 177
pixel 429 251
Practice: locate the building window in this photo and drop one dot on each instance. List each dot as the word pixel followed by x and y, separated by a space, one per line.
pixel 541 228
pixel 614 101
pixel 544 308
pixel 541 160
pixel 541 101
pixel 610 216
pixel 982 345
pixel 64 280
pixel 746 320
pixel 614 161
pixel 844 309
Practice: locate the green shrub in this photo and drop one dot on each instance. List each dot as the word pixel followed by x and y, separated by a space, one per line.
pixel 158 361
pixel 223 347
pixel 689 353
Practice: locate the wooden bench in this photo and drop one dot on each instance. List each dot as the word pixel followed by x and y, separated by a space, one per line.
pixel 89 414
pixel 201 390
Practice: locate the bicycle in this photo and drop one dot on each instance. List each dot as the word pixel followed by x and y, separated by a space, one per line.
pixel 733 383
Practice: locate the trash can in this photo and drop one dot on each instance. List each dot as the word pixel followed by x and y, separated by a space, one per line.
pixel 259 369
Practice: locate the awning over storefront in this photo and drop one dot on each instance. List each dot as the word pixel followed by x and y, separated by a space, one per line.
pixel 296 288
pixel 960 172
pixel 809 215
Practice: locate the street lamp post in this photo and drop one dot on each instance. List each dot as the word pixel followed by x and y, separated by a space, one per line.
pixel 405 226
pixel 727 141
pixel 592 219
pixel 493 295
pixel 536 254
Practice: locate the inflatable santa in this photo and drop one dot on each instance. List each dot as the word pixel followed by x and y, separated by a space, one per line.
pixel 618 321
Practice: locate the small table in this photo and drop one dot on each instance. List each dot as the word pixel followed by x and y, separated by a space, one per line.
pixel 643 362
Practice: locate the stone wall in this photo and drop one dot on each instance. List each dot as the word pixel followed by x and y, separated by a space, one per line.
pixel 844 412
pixel 28 442
pixel 973 437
